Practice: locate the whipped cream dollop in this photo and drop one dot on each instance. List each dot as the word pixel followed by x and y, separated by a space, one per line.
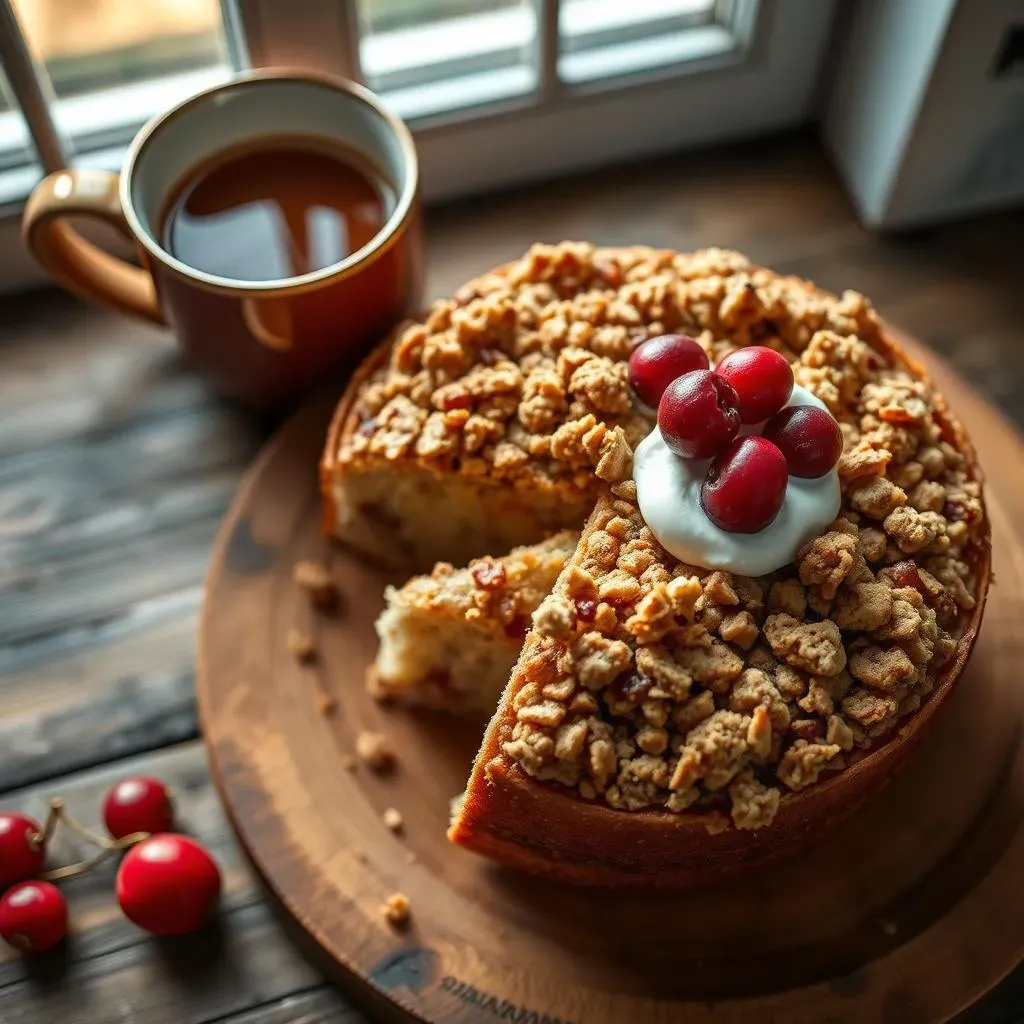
pixel 668 493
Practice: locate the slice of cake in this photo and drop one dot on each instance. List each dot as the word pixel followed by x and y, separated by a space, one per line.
pixel 450 639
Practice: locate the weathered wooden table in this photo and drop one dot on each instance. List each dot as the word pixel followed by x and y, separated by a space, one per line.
pixel 116 465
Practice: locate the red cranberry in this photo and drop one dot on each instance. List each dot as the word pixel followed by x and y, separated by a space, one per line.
pixel 809 438
pixel 33 916
pixel 630 687
pixel 655 363
pixel 810 729
pixel 745 485
pixel 957 512
pixel 21 848
pixel 905 574
pixel 168 884
pixel 698 415
pixel 138 804
pixel 762 378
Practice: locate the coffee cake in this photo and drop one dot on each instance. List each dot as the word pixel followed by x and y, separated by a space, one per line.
pixel 663 719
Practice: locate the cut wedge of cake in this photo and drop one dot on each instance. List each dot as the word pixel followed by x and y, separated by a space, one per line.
pixel 665 723
pixel 450 639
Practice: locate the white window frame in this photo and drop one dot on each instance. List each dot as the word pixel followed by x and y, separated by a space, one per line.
pixel 757 76
pixel 752 71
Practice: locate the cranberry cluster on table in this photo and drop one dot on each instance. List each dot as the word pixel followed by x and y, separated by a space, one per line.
pixel 701 412
pixel 166 884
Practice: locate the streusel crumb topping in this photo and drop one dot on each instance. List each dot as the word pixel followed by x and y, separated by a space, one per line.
pixel 647 683
pixel 521 377
pixel 494 593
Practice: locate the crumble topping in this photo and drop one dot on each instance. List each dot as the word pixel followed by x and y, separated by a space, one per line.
pixel 521 377
pixel 495 592
pixel 647 683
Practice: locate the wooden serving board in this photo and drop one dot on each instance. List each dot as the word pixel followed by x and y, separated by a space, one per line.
pixel 906 913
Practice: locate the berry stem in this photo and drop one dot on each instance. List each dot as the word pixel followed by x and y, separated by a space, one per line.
pixel 40 839
pixel 74 870
pixel 59 813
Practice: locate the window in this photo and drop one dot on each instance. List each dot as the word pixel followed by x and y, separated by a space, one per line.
pixel 496 91
pixel 600 38
pixel 441 55
pixel 109 65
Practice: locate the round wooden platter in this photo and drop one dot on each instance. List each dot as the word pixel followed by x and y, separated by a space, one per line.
pixel 908 912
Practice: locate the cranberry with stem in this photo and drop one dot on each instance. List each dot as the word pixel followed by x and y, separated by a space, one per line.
pixel 808 437
pixel 22 848
pixel 745 486
pixel 762 378
pixel 33 916
pixel 697 415
pixel 168 884
pixel 656 362
pixel 138 803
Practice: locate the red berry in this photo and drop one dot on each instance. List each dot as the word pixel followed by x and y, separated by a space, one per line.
pixel 138 804
pixel 21 848
pixel 808 437
pixel 762 379
pixel 168 884
pixel 745 485
pixel 33 916
pixel 697 414
pixel 655 363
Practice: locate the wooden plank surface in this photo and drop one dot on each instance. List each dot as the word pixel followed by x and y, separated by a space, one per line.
pixel 116 465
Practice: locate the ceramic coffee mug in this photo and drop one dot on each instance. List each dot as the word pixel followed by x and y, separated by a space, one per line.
pixel 264 342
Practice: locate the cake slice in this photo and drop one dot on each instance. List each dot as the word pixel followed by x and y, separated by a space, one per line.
pixel 450 639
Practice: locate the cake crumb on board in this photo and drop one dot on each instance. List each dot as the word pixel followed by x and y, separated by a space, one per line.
pixel 373 749
pixel 301 645
pixel 396 909
pixel 392 818
pixel 325 703
pixel 316 580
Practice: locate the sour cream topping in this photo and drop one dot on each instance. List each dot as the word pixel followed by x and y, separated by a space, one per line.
pixel 668 493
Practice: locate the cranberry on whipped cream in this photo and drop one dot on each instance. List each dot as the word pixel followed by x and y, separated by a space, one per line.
pixel 669 495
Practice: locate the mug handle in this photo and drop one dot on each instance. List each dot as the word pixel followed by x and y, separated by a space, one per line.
pixel 80 266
